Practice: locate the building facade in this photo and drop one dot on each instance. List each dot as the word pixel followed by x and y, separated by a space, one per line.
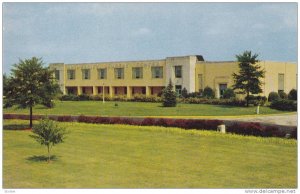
pixel 149 77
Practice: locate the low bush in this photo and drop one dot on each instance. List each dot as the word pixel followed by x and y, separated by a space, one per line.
pixel 69 97
pixel 273 96
pixel 208 92
pixel 228 93
pixel 283 104
pixel 282 95
pixel 257 100
pixel 227 102
pixel 292 95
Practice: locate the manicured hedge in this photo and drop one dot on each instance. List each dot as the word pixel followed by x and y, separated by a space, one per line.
pixel 287 105
pixel 242 128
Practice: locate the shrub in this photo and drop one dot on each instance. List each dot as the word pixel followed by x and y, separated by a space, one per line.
pixel 282 95
pixel 184 93
pixel 273 96
pixel 69 97
pixel 228 93
pixel 169 96
pixel 283 104
pixel 208 92
pixel 292 95
pixel 257 100
pixel 83 97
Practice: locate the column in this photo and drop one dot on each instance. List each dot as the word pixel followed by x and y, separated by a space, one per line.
pixel 128 92
pixel 79 91
pixel 110 91
pixel 95 90
pixel 148 92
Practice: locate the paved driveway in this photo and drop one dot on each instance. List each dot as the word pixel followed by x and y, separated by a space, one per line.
pixel 285 119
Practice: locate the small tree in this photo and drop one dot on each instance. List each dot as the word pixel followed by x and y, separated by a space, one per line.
pixel 169 96
pixel 248 80
pixel 30 84
pixel 48 133
pixel 208 92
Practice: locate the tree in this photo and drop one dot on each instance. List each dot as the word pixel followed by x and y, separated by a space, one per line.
pixel 29 84
pixel 248 80
pixel 169 96
pixel 48 133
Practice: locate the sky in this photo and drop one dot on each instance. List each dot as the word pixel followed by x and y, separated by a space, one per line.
pixel 105 32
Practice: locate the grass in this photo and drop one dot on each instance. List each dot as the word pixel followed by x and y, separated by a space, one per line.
pixel 142 109
pixel 120 156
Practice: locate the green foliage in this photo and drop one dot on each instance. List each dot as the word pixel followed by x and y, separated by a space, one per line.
pixel 273 96
pixel 282 95
pixel 169 96
pixel 48 133
pixel 228 93
pixel 256 100
pixel 208 92
pixel 30 84
pixel 283 104
pixel 248 80
pixel 292 95
pixel 184 93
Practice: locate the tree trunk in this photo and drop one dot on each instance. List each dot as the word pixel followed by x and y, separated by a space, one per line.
pixel 48 153
pixel 30 117
pixel 247 99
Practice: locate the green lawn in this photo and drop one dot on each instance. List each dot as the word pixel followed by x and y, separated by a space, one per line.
pixel 142 109
pixel 119 156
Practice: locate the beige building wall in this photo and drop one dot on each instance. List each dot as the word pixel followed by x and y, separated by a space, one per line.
pixel 196 75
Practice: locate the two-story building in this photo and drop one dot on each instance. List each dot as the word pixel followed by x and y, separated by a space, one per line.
pixel 149 77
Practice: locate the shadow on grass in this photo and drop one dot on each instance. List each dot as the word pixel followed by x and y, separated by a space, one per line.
pixel 41 158
pixel 16 127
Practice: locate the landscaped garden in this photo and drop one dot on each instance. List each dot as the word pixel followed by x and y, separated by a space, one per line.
pixel 123 156
pixel 141 109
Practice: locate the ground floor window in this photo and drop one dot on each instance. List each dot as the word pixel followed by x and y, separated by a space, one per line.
pixel 178 89
pixel 222 88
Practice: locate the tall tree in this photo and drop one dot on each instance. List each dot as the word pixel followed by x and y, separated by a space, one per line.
pixel 248 80
pixel 29 84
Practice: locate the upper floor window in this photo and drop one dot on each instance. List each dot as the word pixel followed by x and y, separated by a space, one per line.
pixel 178 71
pixel 86 74
pixel 157 72
pixel 71 74
pixel 137 73
pixel 119 73
pixel 102 73
pixel 56 74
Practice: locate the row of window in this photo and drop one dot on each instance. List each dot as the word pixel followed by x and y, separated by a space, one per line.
pixel 137 73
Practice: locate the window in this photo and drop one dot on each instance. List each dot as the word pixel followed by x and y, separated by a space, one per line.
pixel 56 74
pixel 119 73
pixel 137 73
pixel 102 73
pixel 86 74
pixel 222 88
pixel 178 71
pixel 280 82
pixel 178 89
pixel 157 72
pixel 71 74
